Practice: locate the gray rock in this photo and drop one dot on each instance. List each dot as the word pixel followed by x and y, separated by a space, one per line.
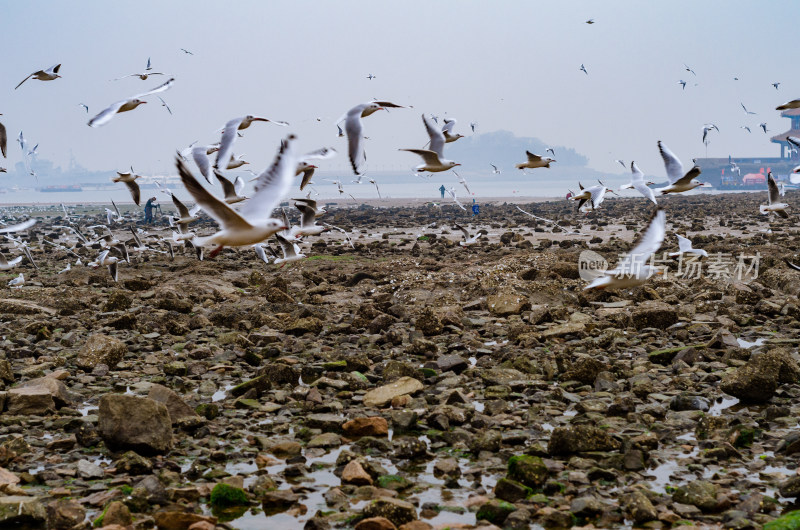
pixel 18 511
pixel 382 396
pixel 101 349
pixel 699 493
pixel 87 469
pixel 397 511
pixel 654 314
pixel 580 438
pixel 452 363
pixel 177 408
pixel 140 424
pixel 758 380
pixel 35 401
pixel 640 508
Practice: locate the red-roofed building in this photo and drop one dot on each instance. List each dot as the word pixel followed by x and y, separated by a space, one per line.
pixel 753 178
pixel 794 115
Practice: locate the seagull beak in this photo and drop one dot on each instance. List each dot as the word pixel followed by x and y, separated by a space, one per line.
pixel 457 165
pixel 315 167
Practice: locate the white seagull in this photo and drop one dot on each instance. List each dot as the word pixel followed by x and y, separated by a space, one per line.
pixel 109 261
pixel 5 264
pixel 43 75
pixel 685 247
pixel 17 282
pixel 773 198
pixel 433 158
pixel 308 221
pixel 535 161
pixel 679 182
pixel 291 252
pixel 495 169
pixel 125 105
pixel 252 224
pixel 355 130
pixel 633 269
pixel 129 179
pixel 447 130
pixel 638 183
pixel 229 135
pixel 468 239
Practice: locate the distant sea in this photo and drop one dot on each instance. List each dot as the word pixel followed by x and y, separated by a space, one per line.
pixel 411 187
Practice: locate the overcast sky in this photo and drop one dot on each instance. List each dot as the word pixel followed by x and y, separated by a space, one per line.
pixel 510 65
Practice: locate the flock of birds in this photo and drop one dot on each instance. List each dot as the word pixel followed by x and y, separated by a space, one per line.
pixel 249 221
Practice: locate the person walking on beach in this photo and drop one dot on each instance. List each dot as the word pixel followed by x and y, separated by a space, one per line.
pixel 442 190
pixel 475 208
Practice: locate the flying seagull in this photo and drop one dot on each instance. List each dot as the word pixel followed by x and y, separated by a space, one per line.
pixel 43 75
pixel 253 222
pixel 535 161
pixel 229 135
pixel 678 181
pixel 633 270
pixel 685 247
pixel 355 130
pixel 433 158
pixel 125 105
pixel 745 109
pixel 583 69
pixel 773 198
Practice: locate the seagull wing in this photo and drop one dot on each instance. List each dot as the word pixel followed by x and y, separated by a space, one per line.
pixel 448 125
pixel 532 157
pixel 671 163
pixel 464 230
pixel 259 248
pixel 106 114
pixel 133 187
pixel 20 83
pixel 598 194
pixel 684 243
pixel 774 192
pixel 226 143
pixel 272 185
pixel 437 136
pixel 223 214
pixel 286 246
pixel 636 174
pixel 160 88
pixel 3 140
pixel 688 177
pixel 647 192
pixel 355 140
pixel 18 227
pixel 320 154
pixel 227 186
pixel 182 209
pixel 238 185
pixel 309 214
pixel 203 162
pixel 648 244
pixel 430 157
pixel 388 104
pixel 307 174
pixel 794 140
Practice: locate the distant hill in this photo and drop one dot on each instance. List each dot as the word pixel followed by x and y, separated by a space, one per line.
pixel 504 149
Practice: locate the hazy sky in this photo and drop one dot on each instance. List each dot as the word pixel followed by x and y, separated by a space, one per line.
pixel 506 65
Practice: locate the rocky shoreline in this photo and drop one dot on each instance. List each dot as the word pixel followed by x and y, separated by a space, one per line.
pixel 407 382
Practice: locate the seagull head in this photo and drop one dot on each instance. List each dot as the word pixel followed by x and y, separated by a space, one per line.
pixel 370 108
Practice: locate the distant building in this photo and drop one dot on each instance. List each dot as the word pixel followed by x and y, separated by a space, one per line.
pixel 750 172
pixel 786 149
